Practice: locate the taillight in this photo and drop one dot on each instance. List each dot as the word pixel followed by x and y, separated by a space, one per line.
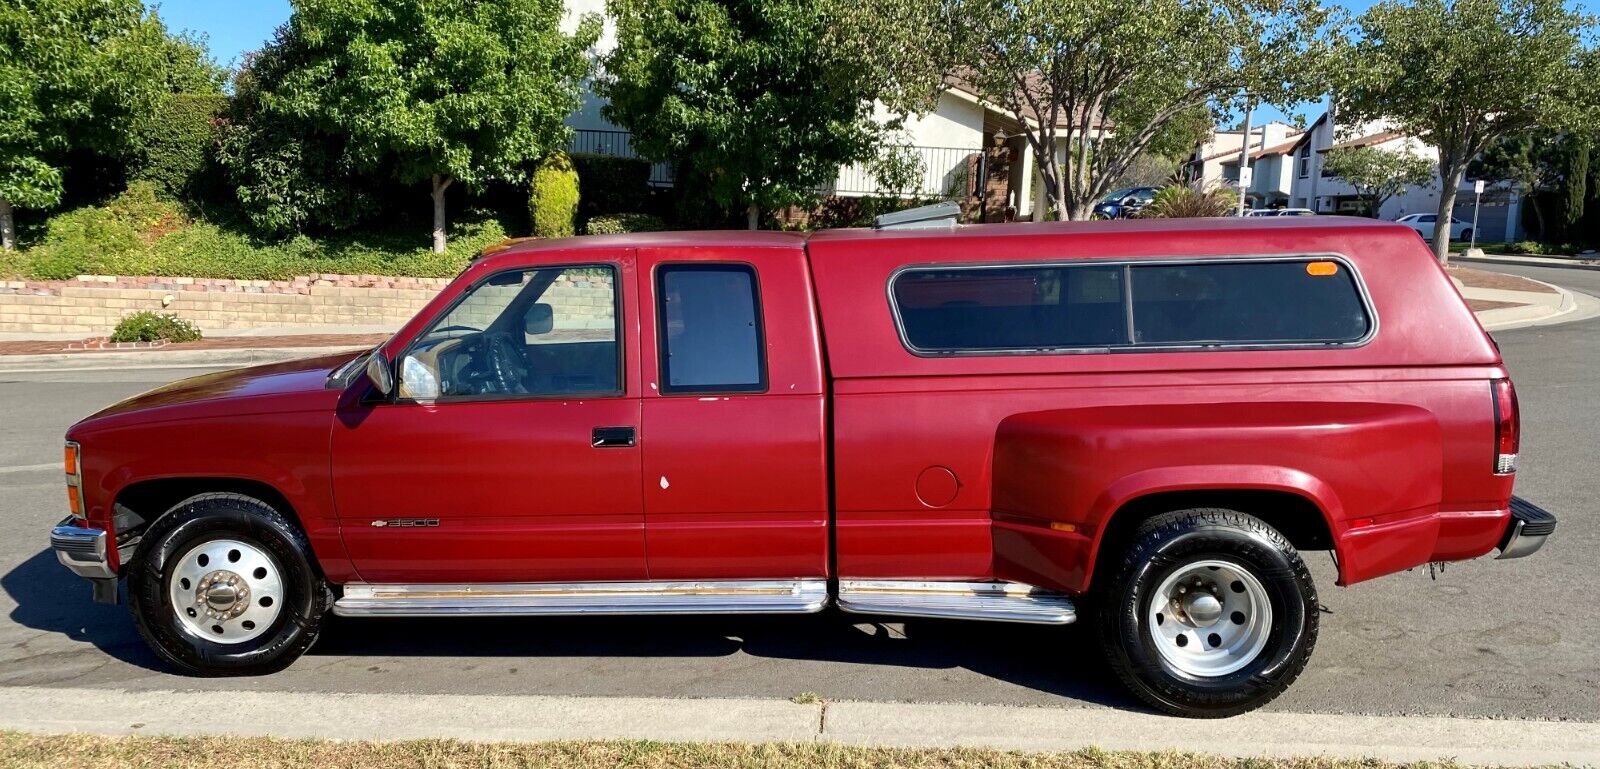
pixel 1507 427
pixel 74 466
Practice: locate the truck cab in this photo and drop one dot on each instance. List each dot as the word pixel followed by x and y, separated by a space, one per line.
pixel 1005 423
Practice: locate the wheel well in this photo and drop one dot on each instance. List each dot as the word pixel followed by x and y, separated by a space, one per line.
pixel 1297 518
pixel 151 499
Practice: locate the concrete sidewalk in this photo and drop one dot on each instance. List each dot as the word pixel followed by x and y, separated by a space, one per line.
pixel 537 718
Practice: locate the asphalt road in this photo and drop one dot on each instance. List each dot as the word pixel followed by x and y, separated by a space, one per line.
pixel 1498 639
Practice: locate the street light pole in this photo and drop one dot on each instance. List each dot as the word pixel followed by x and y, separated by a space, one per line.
pixel 1244 155
pixel 1477 189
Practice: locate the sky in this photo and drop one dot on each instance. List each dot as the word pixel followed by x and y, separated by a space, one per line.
pixel 233 27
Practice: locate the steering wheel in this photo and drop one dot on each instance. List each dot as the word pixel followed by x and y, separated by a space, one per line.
pixel 498 366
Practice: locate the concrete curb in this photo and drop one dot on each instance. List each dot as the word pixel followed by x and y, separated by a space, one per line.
pixel 537 718
pixel 148 359
pixel 1525 261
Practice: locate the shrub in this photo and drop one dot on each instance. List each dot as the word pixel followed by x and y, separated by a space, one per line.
pixel 1179 201
pixel 612 185
pixel 1531 247
pixel 617 224
pixel 175 141
pixel 149 326
pixel 553 199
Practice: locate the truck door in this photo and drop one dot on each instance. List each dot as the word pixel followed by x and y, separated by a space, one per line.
pixel 735 461
pixel 511 452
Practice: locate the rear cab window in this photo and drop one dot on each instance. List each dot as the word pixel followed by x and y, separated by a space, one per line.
pixel 711 333
pixel 1140 305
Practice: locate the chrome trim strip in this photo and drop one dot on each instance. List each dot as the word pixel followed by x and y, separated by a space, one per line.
pixel 991 601
pixel 81 550
pixel 800 596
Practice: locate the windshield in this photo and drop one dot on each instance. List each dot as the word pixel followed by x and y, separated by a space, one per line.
pixel 1116 196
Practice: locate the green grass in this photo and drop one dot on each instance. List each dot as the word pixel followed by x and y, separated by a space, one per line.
pixel 139 234
pixel 88 752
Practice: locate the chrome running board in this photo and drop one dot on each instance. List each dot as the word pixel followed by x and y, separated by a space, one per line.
pixel 993 601
pixel 802 596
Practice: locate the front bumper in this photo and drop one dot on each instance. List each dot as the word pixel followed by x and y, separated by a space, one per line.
pixel 1530 526
pixel 86 552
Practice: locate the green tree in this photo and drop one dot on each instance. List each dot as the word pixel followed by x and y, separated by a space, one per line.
pixel 750 98
pixel 73 74
pixel 444 91
pixel 1460 74
pixel 1377 174
pixel 1532 160
pixel 1097 83
pixel 1575 186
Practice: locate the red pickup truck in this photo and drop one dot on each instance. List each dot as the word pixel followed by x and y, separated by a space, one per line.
pixel 1141 423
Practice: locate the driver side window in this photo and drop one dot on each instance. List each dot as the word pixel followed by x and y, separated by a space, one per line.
pixel 546 332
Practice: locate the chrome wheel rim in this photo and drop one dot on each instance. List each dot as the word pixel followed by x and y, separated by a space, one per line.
pixel 226 591
pixel 1209 618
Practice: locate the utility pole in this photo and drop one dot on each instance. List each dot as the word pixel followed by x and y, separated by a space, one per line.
pixel 1244 155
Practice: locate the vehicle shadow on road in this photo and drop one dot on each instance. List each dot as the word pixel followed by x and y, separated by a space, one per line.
pixel 54 600
pixel 1047 659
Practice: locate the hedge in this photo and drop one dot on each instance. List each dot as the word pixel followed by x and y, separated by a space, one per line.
pixel 176 140
pixel 612 185
pixel 553 198
pixel 617 224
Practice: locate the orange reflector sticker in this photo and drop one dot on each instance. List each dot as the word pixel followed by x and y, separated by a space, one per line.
pixel 1059 526
pixel 70 457
pixel 74 501
pixel 1322 269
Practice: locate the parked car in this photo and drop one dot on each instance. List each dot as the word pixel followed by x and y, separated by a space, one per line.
pixel 1281 212
pixel 994 422
pixel 1424 224
pixel 1124 203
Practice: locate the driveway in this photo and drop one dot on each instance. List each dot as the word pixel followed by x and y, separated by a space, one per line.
pixel 1485 638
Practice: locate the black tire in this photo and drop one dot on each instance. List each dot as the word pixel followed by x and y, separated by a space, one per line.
pixel 1466 234
pixel 208 517
pixel 1164 545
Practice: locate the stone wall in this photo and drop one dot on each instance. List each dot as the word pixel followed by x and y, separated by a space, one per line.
pixel 93 304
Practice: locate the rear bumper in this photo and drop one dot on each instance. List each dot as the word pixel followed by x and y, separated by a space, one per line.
pixel 1529 527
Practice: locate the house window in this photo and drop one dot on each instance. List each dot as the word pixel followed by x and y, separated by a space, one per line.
pixel 1305 160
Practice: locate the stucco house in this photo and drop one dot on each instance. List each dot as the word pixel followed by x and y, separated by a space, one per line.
pixel 1215 162
pixel 963 140
pixel 1311 186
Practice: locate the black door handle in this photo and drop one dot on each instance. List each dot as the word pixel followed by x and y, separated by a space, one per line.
pixel 611 437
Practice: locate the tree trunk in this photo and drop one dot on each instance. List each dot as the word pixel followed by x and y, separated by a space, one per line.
pixel 752 217
pixel 1538 215
pixel 8 226
pixel 440 183
pixel 1451 173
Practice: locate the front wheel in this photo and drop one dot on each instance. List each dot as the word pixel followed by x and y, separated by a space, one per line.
pixel 1210 613
pixel 223 584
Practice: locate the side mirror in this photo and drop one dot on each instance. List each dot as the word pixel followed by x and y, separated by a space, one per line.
pixel 541 319
pixel 381 373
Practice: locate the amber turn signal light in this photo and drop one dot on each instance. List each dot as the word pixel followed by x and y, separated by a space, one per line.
pixel 70 459
pixel 1322 269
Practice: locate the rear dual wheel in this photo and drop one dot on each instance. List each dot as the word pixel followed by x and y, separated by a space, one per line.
pixel 1210 613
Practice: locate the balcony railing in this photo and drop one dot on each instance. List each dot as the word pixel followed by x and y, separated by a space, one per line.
pixel 943 169
pixel 590 141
